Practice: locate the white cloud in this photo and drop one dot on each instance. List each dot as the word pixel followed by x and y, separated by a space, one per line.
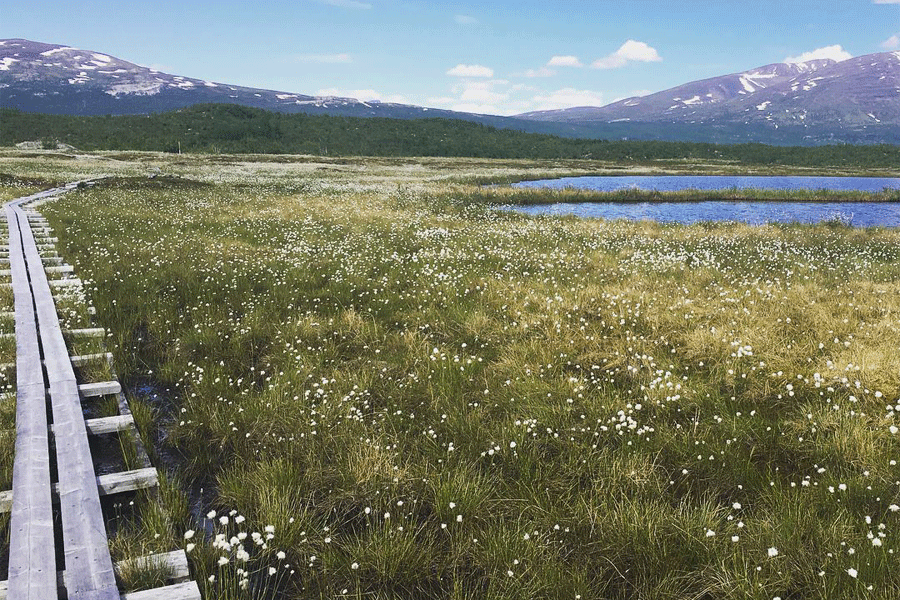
pixel 630 51
pixel 567 98
pixel 342 58
pixel 367 95
pixel 542 72
pixel 465 20
pixel 347 3
pixel 470 71
pixel 564 61
pixel 892 43
pixel 886 1
pixel 834 52
pixel 482 95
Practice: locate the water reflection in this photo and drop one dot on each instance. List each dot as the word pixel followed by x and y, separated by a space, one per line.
pixel 859 214
pixel 672 183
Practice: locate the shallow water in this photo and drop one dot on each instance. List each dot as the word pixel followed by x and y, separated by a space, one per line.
pixel 860 214
pixel 673 183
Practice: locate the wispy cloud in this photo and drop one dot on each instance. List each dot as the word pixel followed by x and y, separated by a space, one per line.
pixel 346 4
pixel 542 72
pixel 834 52
pixel 630 51
pixel 892 43
pixel 342 58
pixel 465 20
pixel 462 70
pixel 567 98
pixel 564 61
pixel 482 92
pixel 886 1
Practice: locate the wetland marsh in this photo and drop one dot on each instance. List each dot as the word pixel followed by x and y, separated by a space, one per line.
pixel 399 391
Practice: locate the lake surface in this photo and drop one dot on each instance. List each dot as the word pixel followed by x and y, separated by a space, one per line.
pixel 674 183
pixel 859 214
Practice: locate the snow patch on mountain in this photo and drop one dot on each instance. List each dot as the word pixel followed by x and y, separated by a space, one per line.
pixel 57 50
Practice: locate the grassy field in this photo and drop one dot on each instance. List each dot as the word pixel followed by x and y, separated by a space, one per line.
pixel 397 391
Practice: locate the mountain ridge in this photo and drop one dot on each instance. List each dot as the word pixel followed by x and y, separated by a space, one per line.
pixel 859 91
pixel 56 79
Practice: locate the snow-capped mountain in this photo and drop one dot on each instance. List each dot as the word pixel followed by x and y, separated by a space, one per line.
pixel 856 93
pixel 50 78
pixel 857 100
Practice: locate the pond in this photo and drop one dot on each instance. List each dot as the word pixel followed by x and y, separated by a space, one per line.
pixel 860 214
pixel 674 183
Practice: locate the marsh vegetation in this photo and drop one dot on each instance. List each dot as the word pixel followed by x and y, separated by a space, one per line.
pixel 398 391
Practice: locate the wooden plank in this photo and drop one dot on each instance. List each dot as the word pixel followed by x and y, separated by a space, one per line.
pixel 101 388
pixel 32 558
pixel 104 425
pixel 88 565
pixel 86 332
pixel 106 485
pixel 127 481
pixel 60 269
pixel 180 591
pixel 175 562
pixel 81 360
pixel 72 282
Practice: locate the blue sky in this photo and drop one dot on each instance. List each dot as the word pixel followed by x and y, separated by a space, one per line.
pixel 492 57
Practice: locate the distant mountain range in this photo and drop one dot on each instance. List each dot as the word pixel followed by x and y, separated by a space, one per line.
pixel 854 101
pixel 857 93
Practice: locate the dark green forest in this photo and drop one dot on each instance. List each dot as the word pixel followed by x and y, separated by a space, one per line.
pixel 227 128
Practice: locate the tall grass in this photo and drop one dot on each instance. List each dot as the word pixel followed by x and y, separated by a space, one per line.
pixel 420 397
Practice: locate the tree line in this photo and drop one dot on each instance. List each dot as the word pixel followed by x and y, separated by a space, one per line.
pixel 225 128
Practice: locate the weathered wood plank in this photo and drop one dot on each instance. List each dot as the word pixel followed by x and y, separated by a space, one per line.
pixel 72 282
pixel 101 388
pixel 88 565
pixel 60 269
pixel 32 559
pixel 106 485
pixel 85 332
pixel 104 425
pixel 180 591
pixel 175 562
pixel 81 360
pixel 127 481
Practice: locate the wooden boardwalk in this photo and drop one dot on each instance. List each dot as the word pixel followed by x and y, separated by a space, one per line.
pixel 64 518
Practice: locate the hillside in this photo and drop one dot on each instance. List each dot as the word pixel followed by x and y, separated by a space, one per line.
pixel 237 129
